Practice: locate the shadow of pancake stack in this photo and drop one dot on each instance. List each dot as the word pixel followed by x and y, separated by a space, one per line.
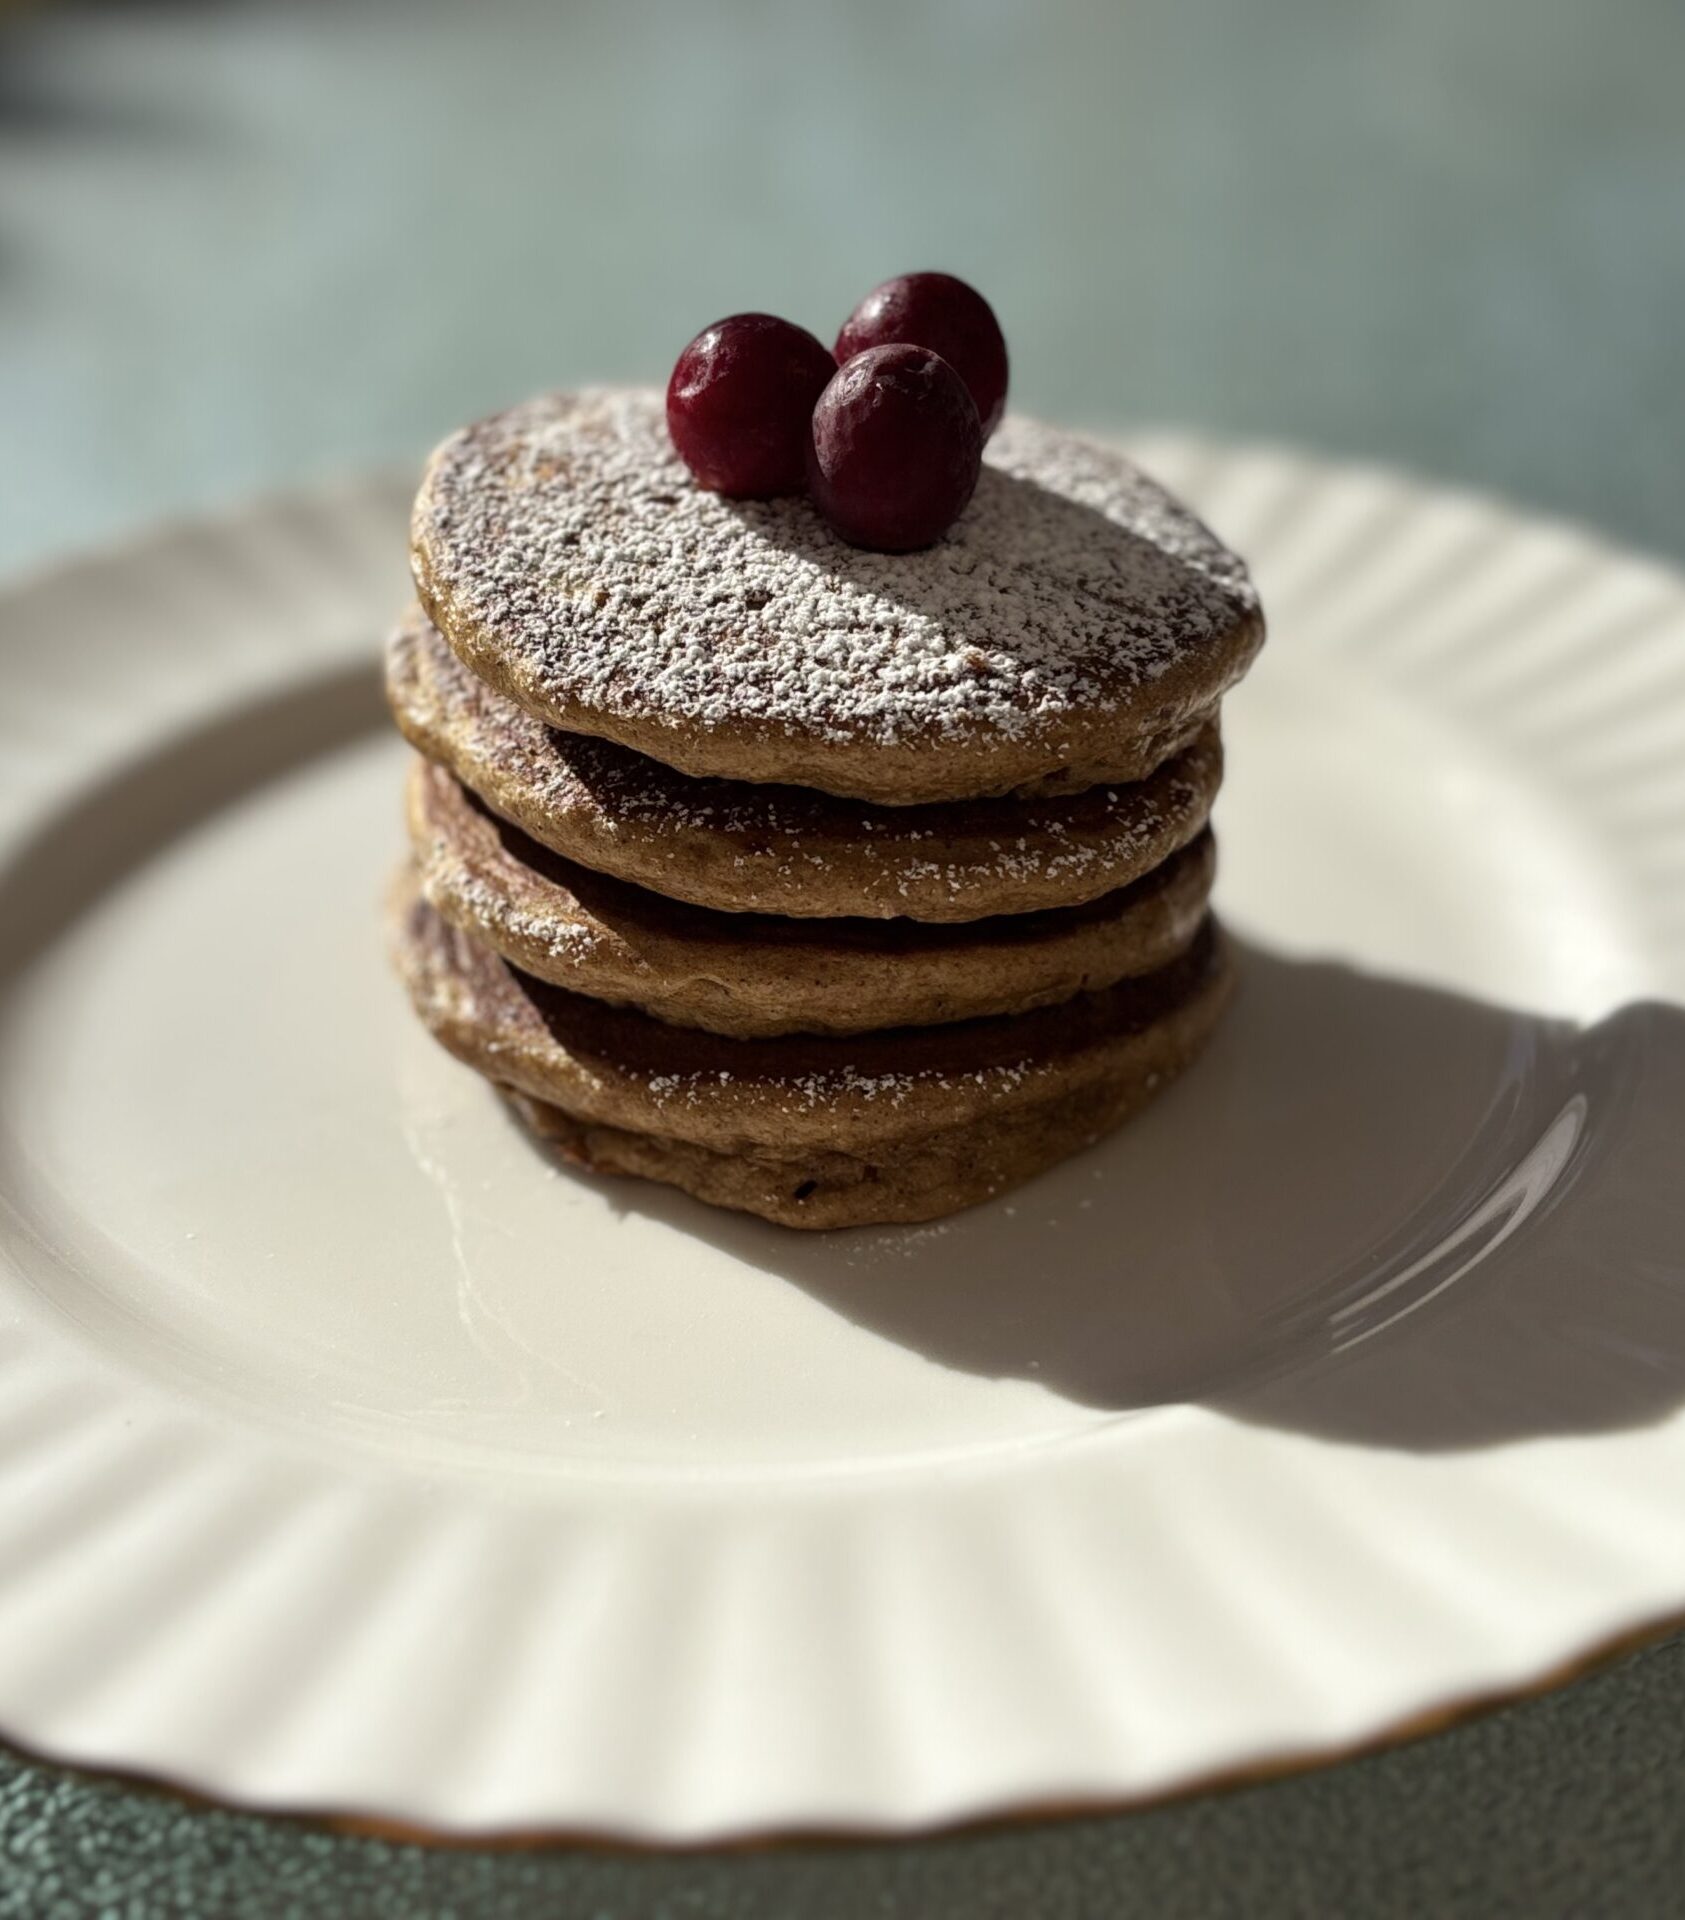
pixel 835 886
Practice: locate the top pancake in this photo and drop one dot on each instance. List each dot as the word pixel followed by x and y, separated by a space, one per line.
pixel 1072 623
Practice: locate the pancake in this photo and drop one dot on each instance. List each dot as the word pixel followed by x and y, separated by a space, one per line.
pixel 860 1095
pixel 739 847
pixel 901 1126
pixel 925 1178
pixel 754 974
pixel 1066 632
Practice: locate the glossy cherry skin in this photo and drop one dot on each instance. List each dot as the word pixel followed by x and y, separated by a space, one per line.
pixel 740 402
pixel 938 311
pixel 896 449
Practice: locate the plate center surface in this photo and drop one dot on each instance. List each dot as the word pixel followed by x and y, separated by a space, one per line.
pixel 238 1164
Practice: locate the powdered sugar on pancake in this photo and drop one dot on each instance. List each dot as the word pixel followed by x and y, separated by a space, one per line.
pixel 617 810
pixel 567 533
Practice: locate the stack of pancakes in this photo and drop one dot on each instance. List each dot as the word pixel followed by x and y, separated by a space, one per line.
pixel 832 885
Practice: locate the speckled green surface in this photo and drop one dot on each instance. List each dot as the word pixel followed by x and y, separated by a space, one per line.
pixel 244 244
pixel 1564 1806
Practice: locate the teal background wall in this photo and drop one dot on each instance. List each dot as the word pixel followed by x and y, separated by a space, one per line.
pixel 244 244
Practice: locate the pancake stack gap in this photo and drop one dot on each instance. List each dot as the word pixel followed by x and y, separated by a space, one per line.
pixel 832 885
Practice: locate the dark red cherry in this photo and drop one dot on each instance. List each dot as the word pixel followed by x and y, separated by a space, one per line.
pixel 740 402
pixel 896 448
pixel 937 311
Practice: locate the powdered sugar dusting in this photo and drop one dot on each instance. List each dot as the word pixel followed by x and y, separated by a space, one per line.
pixel 627 1069
pixel 570 937
pixel 568 533
pixel 811 1092
pixel 1066 847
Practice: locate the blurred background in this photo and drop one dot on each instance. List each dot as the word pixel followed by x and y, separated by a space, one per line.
pixel 248 243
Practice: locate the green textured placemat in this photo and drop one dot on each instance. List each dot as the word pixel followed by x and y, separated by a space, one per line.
pixel 1563 1805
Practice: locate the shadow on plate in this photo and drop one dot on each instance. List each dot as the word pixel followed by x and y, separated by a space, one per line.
pixel 90 844
pixel 1375 1211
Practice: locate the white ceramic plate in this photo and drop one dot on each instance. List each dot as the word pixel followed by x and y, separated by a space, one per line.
pixel 353 1457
